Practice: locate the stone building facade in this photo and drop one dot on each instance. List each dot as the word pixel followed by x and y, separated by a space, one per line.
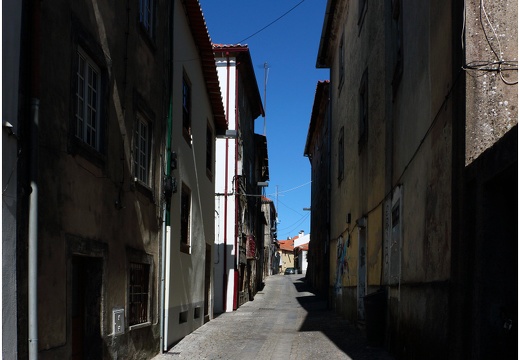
pixel 424 127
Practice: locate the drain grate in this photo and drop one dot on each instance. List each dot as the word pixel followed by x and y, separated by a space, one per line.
pixel 266 308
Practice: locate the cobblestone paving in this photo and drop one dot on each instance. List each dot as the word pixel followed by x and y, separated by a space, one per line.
pixel 284 321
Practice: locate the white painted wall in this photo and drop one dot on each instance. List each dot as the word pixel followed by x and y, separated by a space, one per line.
pixel 302 260
pixel 186 272
pixel 225 259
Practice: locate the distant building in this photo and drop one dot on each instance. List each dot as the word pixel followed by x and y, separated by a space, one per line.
pixel 241 166
pixel 270 236
pixel 318 151
pixel 286 254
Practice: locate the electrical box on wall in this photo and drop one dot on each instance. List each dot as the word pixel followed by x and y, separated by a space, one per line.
pixel 118 321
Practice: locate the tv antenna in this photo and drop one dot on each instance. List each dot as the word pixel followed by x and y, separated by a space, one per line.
pixel 266 74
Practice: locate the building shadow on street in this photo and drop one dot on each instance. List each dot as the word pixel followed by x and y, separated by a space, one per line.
pixel 340 331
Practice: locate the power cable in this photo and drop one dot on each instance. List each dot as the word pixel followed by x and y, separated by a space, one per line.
pixel 294 188
pixel 272 22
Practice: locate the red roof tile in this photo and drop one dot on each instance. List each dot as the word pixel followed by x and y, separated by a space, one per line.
pixel 287 245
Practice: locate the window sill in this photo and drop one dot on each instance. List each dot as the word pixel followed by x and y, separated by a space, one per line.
pixel 78 147
pixel 144 189
pixel 147 38
pixel 139 326
pixel 185 248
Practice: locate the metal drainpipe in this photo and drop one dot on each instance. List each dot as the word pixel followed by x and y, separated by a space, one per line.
pixel 166 210
pixel 237 189
pixel 33 235
pixel 33 197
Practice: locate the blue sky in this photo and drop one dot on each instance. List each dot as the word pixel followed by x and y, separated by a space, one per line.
pixel 290 47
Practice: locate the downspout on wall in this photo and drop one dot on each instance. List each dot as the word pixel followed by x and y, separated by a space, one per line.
pixel 33 197
pixel 167 174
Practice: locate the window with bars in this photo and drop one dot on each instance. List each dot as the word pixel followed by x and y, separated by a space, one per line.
pixel 88 101
pixel 146 16
pixel 142 149
pixel 186 108
pixel 138 294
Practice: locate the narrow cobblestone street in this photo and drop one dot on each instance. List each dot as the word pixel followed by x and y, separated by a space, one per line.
pixel 284 321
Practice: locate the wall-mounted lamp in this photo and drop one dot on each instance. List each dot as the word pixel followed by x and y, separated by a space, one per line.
pixel 173 161
pixel 262 184
pixel 307 209
pixel 8 127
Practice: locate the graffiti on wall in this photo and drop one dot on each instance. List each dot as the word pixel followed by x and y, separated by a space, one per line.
pixel 342 258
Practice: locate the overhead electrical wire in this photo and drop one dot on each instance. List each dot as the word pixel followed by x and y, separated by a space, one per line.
pixel 294 188
pixel 272 22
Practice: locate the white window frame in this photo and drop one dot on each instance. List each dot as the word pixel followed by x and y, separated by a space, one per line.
pixel 88 101
pixel 142 149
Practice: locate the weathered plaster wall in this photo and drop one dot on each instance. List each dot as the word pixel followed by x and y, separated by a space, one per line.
pixel 11 44
pixel 492 101
pixel 92 199
pixel 361 190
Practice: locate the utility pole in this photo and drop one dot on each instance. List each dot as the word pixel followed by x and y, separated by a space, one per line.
pixel 277 204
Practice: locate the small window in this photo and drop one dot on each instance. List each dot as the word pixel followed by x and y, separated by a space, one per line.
pixel 196 312
pixel 186 108
pixel 341 60
pixel 362 4
pixel 146 16
pixel 185 218
pixel 341 155
pixel 183 317
pixel 88 101
pixel 363 110
pixel 209 152
pixel 397 35
pixel 138 294
pixel 142 149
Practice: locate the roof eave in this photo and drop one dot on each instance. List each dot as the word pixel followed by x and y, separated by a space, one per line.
pixel 243 54
pixel 324 57
pixel 202 39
